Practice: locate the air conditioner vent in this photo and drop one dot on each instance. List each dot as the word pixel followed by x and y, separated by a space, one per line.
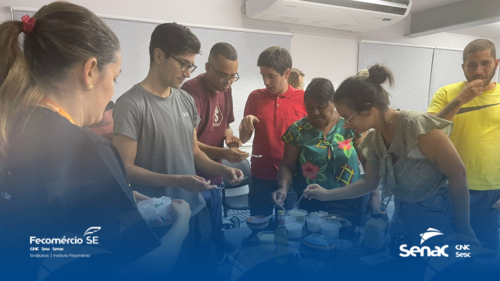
pixel 363 6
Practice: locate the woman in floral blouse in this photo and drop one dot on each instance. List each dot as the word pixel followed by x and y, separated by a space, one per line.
pixel 319 150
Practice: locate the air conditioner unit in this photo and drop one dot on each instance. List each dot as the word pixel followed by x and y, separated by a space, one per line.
pixel 353 15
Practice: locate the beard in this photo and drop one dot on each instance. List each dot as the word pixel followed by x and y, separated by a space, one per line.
pixel 486 80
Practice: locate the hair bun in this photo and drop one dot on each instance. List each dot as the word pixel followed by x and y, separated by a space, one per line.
pixel 379 74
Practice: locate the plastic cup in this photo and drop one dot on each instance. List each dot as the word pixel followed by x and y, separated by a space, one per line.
pixel 330 229
pixel 290 219
pixel 266 240
pixel 313 224
pixel 300 215
pixel 294 229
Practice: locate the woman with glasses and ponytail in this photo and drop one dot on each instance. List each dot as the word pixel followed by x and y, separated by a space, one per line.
pixel 61 185
pixel 411 154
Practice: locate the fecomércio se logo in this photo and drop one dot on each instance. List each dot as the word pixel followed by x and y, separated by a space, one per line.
pixel 89 238
pixel 426 251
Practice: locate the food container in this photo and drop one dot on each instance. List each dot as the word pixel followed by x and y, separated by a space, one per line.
pixel 257 223
pixel 266 240
pixel 294 229
pixel 330 229
pixel 313 224
pixel 346 231
pixel 318 246
pixel 300 215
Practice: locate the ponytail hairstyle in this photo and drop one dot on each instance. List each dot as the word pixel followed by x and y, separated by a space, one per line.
pixel 362 92
pixel 64 35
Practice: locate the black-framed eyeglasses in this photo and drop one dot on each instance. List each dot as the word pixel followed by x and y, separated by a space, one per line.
pixel 223 78
pixel 185 65
pixel 347 120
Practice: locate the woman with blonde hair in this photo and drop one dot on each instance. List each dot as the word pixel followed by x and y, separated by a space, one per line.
pixel 296 79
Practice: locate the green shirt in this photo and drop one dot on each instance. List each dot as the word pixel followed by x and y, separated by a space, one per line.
pixel 412 178
pixel 330 161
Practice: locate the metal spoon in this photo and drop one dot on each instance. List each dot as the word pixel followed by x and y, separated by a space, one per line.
pixel 283 209
pixel 296 204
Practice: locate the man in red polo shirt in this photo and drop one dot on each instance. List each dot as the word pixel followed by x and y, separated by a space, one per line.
pixel 269 112
pixel 212 94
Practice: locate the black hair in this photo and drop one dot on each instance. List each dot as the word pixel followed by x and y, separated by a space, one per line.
pixel 321 90
pixel 223 49
pixel 361 93
pixel 173 39
pixel 277 58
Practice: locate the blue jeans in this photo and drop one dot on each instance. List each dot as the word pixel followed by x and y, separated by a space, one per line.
pixel 413 219
pixel 213 197
pixel 484 220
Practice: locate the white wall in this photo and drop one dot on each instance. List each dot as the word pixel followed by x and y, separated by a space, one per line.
pixel 318 52
pixel 328 57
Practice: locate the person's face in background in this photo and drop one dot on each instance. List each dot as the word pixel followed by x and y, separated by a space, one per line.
pixel 98 98
pixel 320 114
pixel 173 70
pixel 480 65
pixel 301 82
pixel 220 73
pixel 275 83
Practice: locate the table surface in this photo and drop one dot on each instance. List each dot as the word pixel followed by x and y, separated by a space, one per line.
pixel 250 261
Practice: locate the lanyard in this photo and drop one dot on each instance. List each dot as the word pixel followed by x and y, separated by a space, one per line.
pixel 56 108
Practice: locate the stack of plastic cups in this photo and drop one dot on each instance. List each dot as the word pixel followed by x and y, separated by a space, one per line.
pixel 313 222
pixel 294 227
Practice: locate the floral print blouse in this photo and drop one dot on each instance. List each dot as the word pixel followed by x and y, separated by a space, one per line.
pixel 330 161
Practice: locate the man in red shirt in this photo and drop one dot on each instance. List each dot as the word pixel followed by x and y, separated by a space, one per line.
pixel 269 112
pixel 212 94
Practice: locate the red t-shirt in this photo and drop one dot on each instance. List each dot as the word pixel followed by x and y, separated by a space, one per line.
pixel 216 113
pixel 276 114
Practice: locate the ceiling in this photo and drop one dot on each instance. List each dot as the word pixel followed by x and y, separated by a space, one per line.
pixel 491 31
pixel 422 5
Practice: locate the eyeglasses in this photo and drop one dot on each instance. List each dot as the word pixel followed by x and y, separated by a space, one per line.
pixel 347 121
pixel 185 65
pixel 223 78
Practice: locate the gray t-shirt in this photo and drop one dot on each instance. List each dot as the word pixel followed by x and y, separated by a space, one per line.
pixel 163 128
pixel 413 178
